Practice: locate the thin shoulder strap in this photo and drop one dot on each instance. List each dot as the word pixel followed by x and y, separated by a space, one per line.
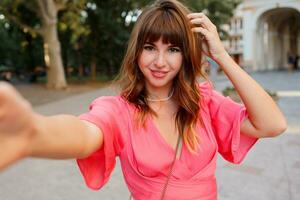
pixel 176 156
pixel 178 149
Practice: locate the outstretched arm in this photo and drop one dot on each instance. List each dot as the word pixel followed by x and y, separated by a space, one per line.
pixel 64 137
pixel 25 133
pixel 265 118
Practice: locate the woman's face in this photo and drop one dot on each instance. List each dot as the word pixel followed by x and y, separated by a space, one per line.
pixel 160 63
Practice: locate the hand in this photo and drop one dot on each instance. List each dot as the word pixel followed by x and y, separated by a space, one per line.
pixel 211 45
pixel 16 125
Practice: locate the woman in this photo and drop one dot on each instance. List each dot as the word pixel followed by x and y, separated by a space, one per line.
pixel 165 127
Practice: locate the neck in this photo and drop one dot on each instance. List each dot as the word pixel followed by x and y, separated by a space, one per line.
pixel 159 94
pixel 162 99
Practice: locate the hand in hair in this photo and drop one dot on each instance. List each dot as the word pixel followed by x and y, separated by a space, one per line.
pixel 211 45
pixel 15 126
pixel 254 97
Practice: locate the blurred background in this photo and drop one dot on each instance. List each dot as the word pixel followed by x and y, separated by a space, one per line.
pixel 60 41
pixel 62 54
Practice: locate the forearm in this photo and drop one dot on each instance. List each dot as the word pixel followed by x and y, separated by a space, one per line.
pixel 265 118
pixel 263 112
pixel 62 137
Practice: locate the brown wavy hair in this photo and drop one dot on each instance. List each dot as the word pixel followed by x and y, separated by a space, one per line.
pixel 166 19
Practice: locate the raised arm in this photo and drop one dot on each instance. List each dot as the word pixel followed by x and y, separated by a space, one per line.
pixel 265 118
pixel 25 133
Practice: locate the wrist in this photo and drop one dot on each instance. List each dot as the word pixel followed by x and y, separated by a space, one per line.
pixel 222 57
pixel 35 132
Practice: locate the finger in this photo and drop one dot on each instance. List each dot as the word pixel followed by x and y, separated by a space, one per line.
pixel 5 90
pixel 208 24
pixel 10 99
pixel 202 19
pixel 202 31
pixel 195 15
pixel 199 21
pixel 8 91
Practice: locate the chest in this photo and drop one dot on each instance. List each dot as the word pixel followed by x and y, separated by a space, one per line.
pixel 165 126
pixel 153 151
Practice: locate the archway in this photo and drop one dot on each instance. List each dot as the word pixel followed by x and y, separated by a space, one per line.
pixel 277 33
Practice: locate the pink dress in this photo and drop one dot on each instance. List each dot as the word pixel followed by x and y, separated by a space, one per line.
pixel 146 157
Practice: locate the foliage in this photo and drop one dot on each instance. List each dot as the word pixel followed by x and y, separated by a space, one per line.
pixel 109 34
pixel 36 18
pixel 90 31
pixel 219 11
pixel 19 50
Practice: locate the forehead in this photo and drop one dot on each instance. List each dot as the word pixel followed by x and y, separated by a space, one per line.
pixel 164 26
pixel 159 42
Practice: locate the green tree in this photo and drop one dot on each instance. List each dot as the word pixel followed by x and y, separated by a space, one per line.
pixel 109 33
pixel 45 21
pixel 218 11
pixel 20 51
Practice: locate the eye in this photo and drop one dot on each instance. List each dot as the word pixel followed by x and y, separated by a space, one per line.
pixel 148 47
pixel 174 49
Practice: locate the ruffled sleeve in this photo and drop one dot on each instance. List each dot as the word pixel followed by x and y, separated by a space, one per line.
pixel 226 119
pixel 106 113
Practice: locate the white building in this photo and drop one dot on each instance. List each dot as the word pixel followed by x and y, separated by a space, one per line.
pixel 263 32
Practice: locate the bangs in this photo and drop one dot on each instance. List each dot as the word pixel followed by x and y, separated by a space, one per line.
pixel 165 25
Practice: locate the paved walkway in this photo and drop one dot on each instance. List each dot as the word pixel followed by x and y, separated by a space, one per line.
pixel 271 171
pixel 37 94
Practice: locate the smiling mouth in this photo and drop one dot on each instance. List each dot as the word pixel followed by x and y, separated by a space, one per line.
pixel 158 74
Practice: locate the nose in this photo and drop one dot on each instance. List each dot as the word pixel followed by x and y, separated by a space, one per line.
pixel 160 60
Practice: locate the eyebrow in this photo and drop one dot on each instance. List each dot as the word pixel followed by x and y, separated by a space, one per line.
pixel 150 43
pixel 170 45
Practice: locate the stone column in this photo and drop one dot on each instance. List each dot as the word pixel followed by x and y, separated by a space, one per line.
pixel 285 45
pixel 249 38
pixel 272 39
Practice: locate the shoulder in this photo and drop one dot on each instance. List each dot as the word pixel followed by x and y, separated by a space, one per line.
pixel 211 97
pixel 113 103
pixel 107 101
pixel 206 89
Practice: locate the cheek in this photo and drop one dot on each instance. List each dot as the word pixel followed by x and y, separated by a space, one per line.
pixel 142 64
pixel 176 62
pixel 144 60
pixel 139 62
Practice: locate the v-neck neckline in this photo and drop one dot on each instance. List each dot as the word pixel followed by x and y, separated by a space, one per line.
pixel 159 136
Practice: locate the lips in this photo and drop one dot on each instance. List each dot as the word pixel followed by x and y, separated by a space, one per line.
pixel 158 74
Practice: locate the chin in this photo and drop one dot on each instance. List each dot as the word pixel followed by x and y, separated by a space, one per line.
pixel 158 84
